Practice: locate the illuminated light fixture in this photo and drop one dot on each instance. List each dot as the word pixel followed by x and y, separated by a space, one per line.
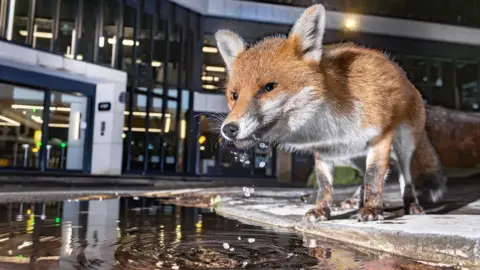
pixel 152 114
pixel 202 139
pixel 209 86
pixel 24 33
pixel 101 42
pixel 33 107
pixel 126 42
pixel 210 50
pixel 202 148
pixel 156 64
pixel 151 130
pixel 350 23
pixel 79 57
pixel 215 68
pixel 10 121
pixel 210 78
pixel 168 121
pixel 183 129
pixel 55 125
pixel 60 109
pixel 3 124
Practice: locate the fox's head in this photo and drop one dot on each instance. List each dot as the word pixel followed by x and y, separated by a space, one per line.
pixel 273 86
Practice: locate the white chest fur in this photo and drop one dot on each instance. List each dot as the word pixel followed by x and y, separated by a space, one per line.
pixel 332 135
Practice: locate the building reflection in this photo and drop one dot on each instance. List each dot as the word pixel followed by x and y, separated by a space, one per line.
pixel 108 233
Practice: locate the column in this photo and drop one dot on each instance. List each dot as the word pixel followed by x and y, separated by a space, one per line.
pixel 76 133
pixel 107 147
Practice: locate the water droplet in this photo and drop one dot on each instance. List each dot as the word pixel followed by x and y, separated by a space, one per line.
pixel 239 238
pixel 247 194
pixel 226 246
pixel 232 249
pixel 251 240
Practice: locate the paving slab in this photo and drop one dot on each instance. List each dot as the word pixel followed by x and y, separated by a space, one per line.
pixel 448 238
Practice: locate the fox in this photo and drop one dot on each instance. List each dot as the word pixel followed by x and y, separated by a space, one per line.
pixel 341 104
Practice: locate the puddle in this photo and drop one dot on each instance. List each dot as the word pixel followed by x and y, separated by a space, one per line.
pixel 143 233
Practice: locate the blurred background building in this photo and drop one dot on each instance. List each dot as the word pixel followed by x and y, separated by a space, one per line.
pixel 135 87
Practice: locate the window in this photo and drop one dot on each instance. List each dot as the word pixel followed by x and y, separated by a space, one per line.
pixel 214 70
pixel 19 30
pixel 65 45
pixel 106 42
pixel 128 40
pixel 43 27
pixel 66 131
pixel 138 130
pixel 20 126
pixel 155 134
pixel 467 79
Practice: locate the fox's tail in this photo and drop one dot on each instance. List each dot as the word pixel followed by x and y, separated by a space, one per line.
pixel 428 176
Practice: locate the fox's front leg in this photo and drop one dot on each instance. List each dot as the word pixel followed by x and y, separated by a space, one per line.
pixel 324 175
pixel 377 164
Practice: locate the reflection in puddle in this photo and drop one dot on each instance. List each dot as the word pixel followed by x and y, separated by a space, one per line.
pixel 142 233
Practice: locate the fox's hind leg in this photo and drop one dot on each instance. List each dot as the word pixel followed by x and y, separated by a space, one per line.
pixel 324 175
pixel 404 146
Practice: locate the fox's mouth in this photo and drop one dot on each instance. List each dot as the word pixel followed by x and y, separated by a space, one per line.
pixel 247 142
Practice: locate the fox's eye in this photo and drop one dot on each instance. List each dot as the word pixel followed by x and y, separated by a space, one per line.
pixel 234 96
pixel 269 86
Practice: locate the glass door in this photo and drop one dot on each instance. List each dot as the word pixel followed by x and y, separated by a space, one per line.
pixel 21 111
pixel 67 131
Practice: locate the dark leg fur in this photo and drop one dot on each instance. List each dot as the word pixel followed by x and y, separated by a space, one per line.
pixel 324 175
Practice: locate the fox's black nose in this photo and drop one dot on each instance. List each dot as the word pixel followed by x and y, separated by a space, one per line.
pixel 231 130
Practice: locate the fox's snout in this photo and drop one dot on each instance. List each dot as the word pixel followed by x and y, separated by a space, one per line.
pixel 230 131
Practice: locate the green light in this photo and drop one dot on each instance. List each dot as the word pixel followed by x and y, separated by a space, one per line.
pixel 63 145
pixel 34 110
pixel 20 256
pixel 39 144
pixel 57 220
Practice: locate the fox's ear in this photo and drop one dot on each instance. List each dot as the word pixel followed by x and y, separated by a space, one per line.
pixel 308 33
pixel 230 45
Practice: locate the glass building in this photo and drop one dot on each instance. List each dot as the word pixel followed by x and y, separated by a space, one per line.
pixel 123 87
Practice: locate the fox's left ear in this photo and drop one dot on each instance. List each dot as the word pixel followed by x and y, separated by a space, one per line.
pixel 230 45
pixel 308 32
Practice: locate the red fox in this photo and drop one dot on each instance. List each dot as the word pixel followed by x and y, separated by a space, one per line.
pixel 342 104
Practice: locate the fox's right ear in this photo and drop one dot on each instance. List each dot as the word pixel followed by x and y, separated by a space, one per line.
pixel 308 31
pixel 230 45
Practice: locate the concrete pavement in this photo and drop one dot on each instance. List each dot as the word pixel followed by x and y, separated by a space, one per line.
pixel 448 234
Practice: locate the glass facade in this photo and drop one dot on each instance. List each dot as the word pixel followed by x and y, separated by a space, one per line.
pixel 44 129
pixel 151 40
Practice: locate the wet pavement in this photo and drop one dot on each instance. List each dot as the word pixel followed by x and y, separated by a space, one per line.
pixel 122 230
pixel 449 233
